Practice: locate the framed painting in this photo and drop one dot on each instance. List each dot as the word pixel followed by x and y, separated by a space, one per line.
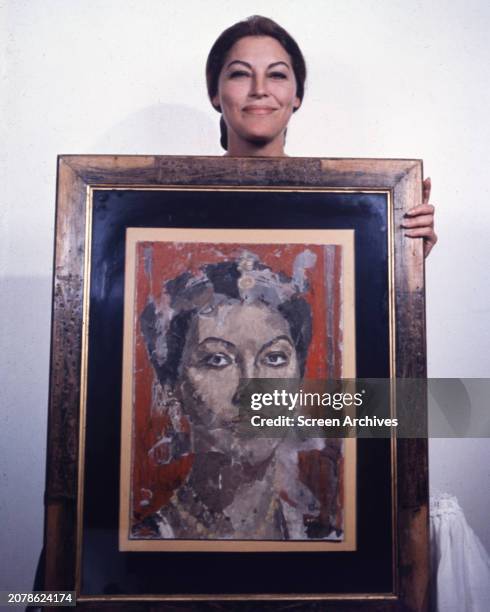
pixel 178 279
pixel 189 481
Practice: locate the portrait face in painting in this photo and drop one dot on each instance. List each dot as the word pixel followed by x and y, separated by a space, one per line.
pixel 233 320
pixel 226 344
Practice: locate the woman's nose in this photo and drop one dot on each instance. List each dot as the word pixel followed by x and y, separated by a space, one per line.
pixel 259 86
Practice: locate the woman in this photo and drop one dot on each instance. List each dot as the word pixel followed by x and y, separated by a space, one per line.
pixel 236 319
pixel 255 76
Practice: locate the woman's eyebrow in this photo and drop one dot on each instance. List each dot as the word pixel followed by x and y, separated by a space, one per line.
pixel 229 345
pixel 278 63
pixel 249 66
pixel 240 62
pixel 276 339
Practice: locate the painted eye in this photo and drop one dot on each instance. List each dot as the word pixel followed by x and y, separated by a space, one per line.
pixel 217 361
pixel 275 359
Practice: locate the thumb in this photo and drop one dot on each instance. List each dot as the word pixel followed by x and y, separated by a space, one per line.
pixel 426 187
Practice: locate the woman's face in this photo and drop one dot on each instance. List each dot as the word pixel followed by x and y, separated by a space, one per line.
pixel 234 341
pixel 257 91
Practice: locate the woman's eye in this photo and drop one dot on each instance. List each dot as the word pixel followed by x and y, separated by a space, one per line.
pixel 238 73
pixel 275 359
pixel 217 360
pixel 278 75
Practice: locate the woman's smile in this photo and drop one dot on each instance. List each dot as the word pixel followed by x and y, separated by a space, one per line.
pixel 259 110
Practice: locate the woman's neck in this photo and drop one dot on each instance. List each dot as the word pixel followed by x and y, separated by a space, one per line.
pixel 242 148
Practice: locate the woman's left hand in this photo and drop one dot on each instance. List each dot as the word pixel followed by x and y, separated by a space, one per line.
pixel 419 221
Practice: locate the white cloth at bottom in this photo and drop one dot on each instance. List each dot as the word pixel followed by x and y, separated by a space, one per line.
pixel 460 564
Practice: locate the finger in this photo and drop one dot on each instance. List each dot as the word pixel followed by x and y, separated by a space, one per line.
pixel 426 187
pixel 419 221
pixel 423 209
pixel 421 232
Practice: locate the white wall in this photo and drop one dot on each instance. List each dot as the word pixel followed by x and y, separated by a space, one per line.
pixel 387 78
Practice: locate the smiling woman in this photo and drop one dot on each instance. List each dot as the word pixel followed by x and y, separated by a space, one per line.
pixel 255 76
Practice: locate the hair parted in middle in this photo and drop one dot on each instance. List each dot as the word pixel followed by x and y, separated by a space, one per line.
pixel 256 25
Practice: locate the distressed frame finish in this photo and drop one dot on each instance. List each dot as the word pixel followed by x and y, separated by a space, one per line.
pixel 76 176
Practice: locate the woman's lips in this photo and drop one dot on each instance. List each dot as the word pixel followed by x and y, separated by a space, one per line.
pixel 259 110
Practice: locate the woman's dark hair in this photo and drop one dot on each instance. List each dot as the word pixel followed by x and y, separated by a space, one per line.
pixel 253 26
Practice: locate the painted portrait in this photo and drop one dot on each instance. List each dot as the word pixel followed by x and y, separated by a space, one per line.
pixel 206 310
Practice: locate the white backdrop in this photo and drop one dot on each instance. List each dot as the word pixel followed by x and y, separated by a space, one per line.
pixel 386 79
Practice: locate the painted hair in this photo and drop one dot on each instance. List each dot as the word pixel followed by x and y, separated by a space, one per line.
pixel 253 26
pixel 244 280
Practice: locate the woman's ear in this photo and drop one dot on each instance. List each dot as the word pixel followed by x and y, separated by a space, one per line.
pixel 215 103
pixel 296 104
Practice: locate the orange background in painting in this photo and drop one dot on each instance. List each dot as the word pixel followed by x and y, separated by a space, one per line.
pixel 158 262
